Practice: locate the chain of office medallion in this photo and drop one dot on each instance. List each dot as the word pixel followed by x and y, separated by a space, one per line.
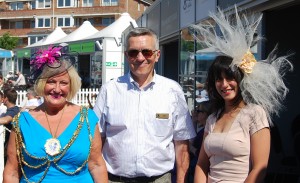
pixel 21 146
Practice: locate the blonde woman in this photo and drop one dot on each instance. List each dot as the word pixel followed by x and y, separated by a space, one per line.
pixel 58 141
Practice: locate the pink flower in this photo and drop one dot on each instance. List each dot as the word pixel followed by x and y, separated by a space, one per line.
pixel 49 56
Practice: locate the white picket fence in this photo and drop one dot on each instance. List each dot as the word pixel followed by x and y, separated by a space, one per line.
pixel 80 99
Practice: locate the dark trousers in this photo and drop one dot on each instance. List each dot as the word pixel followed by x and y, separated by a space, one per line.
pixel 164 178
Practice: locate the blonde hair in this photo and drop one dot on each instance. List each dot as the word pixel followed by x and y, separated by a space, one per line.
pixel 75 84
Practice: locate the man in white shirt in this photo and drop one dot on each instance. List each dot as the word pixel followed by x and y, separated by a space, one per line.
pixel 143 118
pixel 20 83
pixel 32 100
pixel 9 76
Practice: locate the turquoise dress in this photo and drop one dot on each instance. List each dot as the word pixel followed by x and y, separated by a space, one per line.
pixel 62 167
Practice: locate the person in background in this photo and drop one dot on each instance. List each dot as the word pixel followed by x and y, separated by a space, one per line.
pixel 201 96
pixel 2 132
pixel 2 106
pixel 1 81
pixel 10 96
pixel 57 141
pixel 244 94
pixel 20 83
pixel 33 100
pixel 144 118
pixel 9 76
pixel 199 117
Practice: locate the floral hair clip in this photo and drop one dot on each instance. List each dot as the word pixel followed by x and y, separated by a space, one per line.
pixel 248 62
pixel 49 57
pixel 50 62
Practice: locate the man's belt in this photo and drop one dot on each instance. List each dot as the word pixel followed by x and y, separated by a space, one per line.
pixel 142 179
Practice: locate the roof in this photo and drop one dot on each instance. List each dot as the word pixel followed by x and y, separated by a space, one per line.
pixel 57 34
pixel 85 30
pixel 116 28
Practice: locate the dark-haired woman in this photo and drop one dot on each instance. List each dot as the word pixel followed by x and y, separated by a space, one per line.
pixel 237 136
pixel 244 94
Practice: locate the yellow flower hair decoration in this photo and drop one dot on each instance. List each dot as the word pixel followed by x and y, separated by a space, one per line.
pixel 248 62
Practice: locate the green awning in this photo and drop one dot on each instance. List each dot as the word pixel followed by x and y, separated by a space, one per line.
pixel 24 53
pixel 83 47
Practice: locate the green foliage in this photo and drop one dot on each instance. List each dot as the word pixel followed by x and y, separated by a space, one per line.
pixel 8 42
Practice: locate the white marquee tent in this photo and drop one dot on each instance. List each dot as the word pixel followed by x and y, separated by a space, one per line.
pixel 57 34
pixel 108 40
pixel 116 29
pixel 85 30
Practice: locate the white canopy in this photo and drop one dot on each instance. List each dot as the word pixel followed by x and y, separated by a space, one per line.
pixel 85 30
pixel 57 34
pixel 116 28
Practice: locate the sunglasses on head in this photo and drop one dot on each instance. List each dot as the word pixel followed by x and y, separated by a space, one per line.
pixel 146 53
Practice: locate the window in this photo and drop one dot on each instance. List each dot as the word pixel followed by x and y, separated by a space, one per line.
pixel 16 5
pixel 16 25
pixel 109 2
pixel 20 42
pixel 19 25
pixel 107 21
pixel 43 4
pixel 33 5
pixel 32 24
pixel 91 20
pixel 65 22
pixel 43 22
pixel 34 39
pixel 65 3
pixel 88 3
pixel 78 22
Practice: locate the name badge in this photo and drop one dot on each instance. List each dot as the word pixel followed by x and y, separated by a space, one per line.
pixel 162 115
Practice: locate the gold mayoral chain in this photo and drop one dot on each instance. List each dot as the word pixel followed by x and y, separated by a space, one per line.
pixel 52 145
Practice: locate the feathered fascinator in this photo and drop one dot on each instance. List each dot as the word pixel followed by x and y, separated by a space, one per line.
pixel 262 83
pixel 49 62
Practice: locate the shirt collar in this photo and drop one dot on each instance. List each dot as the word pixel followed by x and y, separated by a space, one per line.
pixel 150 85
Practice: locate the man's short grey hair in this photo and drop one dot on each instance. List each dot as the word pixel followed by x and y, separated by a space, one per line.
pixel 142 31
pixel 31 91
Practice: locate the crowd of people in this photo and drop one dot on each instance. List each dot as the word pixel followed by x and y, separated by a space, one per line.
pixel 140 128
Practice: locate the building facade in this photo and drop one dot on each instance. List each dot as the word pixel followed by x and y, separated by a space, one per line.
pixel 32 20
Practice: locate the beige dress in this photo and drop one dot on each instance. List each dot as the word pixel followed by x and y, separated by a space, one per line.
pixel 229 153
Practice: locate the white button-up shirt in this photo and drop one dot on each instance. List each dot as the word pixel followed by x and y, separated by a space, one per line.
pixel 141 124
pixel 20 81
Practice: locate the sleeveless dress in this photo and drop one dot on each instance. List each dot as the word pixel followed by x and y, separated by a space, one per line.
pixel 229 152
pixel 61 167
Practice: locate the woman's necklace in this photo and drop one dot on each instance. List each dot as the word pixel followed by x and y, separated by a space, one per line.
pixel 52 145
